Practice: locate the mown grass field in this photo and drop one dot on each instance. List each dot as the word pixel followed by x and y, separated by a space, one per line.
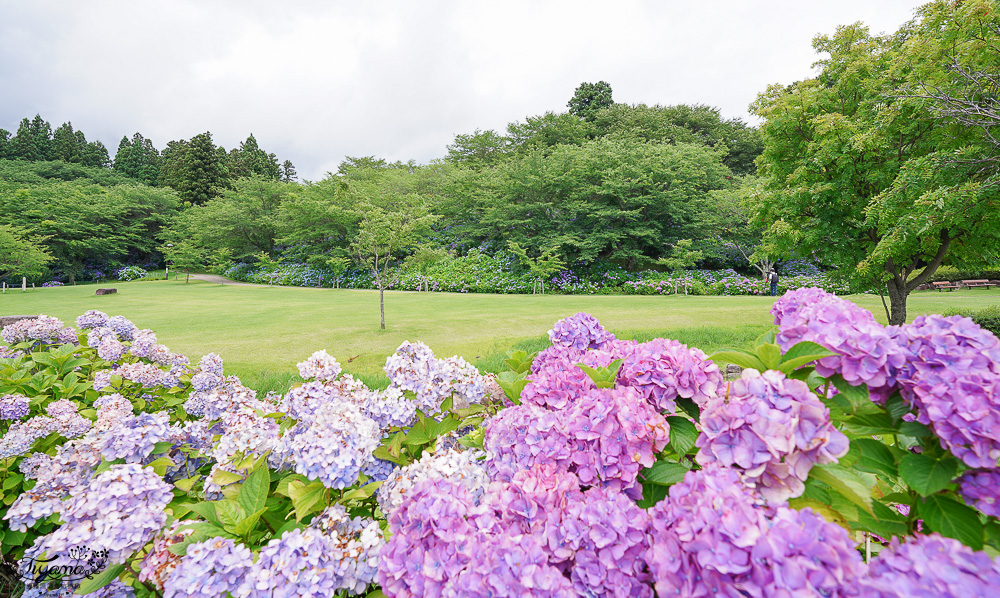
pixel 261 332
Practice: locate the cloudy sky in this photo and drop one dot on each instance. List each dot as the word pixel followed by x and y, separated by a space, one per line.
pixel 316 81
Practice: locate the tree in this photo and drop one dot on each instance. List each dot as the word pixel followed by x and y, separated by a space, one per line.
pixel 682 257
pixel 388 223
pixel 866 179
pixel 589 98
pixel 249 160
pixel 288 174
pixel 20 254
pixel 33 140
pixel 422 259
pixel 4 143
pixel 138 159
pixel 184 254
pixel 478 150
pixel 541 267
pixel 193 169
pixel 65 145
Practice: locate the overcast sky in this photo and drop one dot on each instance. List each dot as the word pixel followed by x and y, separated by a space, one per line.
pixel 316 81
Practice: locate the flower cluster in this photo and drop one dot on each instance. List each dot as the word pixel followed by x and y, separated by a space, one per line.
pixel 581 331
pixel 867 352
pixel 44 329
pixel 981 489
pixel 210 569
pixel 953 379
pixel 119 511
pixel 773 428
pixel 333 445
pixel 458 466
pixel 930 565
pixel 663 370
pixel 413 367
pixel 320 366
pixel 159 563
pixel 14 407
pixel 55 478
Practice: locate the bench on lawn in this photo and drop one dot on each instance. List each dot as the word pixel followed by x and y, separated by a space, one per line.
pixel 945 285
pixel 978 284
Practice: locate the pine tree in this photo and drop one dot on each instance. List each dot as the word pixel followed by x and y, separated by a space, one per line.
pixel 288 174
pixel 65 145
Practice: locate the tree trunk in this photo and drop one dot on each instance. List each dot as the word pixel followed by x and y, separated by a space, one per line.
pixel 381 304
pixel 897 302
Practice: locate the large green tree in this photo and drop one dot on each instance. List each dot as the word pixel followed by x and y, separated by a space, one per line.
pixel 861 176
pixel 250 160
pixel 33 140
pixel 193 168
pixel 138 158
pixel 589 98
pixel 21 253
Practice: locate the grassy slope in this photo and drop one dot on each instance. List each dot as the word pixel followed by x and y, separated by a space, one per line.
pixel 261 331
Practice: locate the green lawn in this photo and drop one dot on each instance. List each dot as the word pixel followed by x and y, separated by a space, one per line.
pixel 262 332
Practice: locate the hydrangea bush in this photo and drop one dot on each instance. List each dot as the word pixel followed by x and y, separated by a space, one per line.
pixel 848 459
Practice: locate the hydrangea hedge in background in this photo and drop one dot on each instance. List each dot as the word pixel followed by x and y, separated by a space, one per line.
pixel 848 459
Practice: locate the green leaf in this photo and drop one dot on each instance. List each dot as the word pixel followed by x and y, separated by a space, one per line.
pixel 161 447
pixel 664 473
pixel 375 594
pixel 823 509
pixel 914 430
pixel 688 407
pixel 925 474
pixel 306 498
pixel 224 478
pixel 206 510
pixel 802 353
pixel 92 584
pixel 845 482
pixel 254 491
pixel 896 407
pixel 186 484
pixel 853 399
pixel 870 424
pixel 883 521
pixel 768 338
pixel 744 359
pixel 246 524
pixel 875 457
pixel 160 465
pixel 12 480
pixel 683 434
pixel 230 514
pixel 952 519
pixel 770 355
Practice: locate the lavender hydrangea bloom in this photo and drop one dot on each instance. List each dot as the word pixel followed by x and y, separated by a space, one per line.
pixel 56 477
pixel 581 331
pixel 209 570
pixel 299 563
pixel 459 466
pixel 532 500
pixel 143 343
pixel 43 329
pixel 159 563
pixel 122 326
pixel 133 437
pixel 433 538
pixel 145 374
pixel 119 511
pixel 413 367
pixel 558 382
pixel 211 363
pixel 953 379
pixel 14 407
pixel 91 319
pixel 868 353
pixel 929 566
pixel 981 489
pixel 245 433
pixel 803 554
pixel 206 381
pixel 334 445
pixel 320 366
pixel 773 428
pixel 510 565
pixel 111 350
pixel 714 518
pixel 663 370
pixel 21 436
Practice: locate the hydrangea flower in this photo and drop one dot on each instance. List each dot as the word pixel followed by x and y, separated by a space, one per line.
pixel 21 436
pixel 56 477
pixel 14 407
pixel 122 326
pixel 143 343
pixel 413 367
pixel 981 489
pixel 43 329
pixel 320 366
pixel 159 563
pixel 92 318
pixel 953 379
pixel 433 538
pixel 211 364
pixel 581 331
pixel 773 428
pixel 206 381
pixel 509 565
pixel 529 500
pixel 459 466
pixel 209 570
pixel 931 566
pixel 119 511
pixel 145 374
pixel 663 370
pixel 333 445
pixel 245 432
pixel 868 353
pixel 132 437
pixel 803 554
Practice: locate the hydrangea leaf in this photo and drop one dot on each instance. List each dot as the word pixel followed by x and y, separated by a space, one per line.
pixel 683 434
pixel 664 473
pixel 92 584
pixel 853 399
pixel 875 457
pixel 845 482
pixel 254 491
pixel 744 359
pixel 952 519
pixel 925 474
pixel 869 424
pixel 770 355
pixel 305 498
pixel 883 521
pixel 823 509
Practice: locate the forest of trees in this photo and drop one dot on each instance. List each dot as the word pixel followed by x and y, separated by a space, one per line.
pixel 880 168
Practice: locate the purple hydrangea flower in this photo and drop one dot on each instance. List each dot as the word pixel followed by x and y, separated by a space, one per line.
pixel 210 569
pixel 981 489
pixel 581 331
pixel 320 366
pixel 931 566
pixel 43 329
pixel 663 370
pixel 91 319
pixel 122 326
pixel 333 445
pixel 14 407
pixel 773 428
pixel 509 565
pixel 211 363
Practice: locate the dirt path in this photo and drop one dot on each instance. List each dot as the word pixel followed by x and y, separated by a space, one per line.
pixel 220 280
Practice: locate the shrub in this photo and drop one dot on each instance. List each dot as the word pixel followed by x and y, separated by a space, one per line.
pixel 988 318
pixel 129 273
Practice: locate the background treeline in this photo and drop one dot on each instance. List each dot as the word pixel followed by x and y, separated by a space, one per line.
pixel 602 183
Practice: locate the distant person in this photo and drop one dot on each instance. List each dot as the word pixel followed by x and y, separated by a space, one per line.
pixel 772 277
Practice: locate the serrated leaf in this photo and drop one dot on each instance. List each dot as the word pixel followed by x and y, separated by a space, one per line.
pixel 925 474
pixel 161 447
pixel 683 434
pixel 305 498
pixel 161 465
pixel 92 584
pixel 870 424
pixel 875 457
pixel 883 521
pixel 223 478
pixel 688 407
pixel 823 509
pixel 845 482
pixel 186 484
pixel 206 510
pixel 896 407
pixel 247 523
pixel 952 519
pixel 768 338
pixel 254 491
pixel 744 359
pixel 230 514
pixel 805 349
pixel 853 399
pixel 914 430
pixel 664 473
